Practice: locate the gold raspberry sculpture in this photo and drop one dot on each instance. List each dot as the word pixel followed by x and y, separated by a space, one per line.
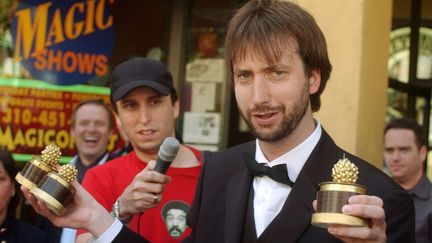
pixel 68 172
pixel 345 172
pixel 51 156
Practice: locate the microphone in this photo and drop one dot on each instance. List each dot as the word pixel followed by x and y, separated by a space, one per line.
pixel 167 153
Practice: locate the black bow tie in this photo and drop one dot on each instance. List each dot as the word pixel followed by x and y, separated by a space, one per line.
pixel 277 173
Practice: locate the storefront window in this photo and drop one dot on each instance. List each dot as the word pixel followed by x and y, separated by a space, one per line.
pixel 205 96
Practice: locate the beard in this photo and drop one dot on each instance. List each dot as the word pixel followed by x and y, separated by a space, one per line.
pixel 289 122
pixel 175 232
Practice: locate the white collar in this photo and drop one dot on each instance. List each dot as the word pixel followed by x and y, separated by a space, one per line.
pixel 294 158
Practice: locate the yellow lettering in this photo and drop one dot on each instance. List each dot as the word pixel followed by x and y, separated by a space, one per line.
pixel 62 139
pixel 6 138
pixel 31 137
pixel 40 140
pixel 100 16
pixel 89 24
pixel 27 31
pixel 49 136
pixel 55 30
pixel 19 139
pixel 74 30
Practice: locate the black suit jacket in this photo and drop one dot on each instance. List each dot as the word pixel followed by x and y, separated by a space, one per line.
pixel 127 235
pixel 219 208
pixel 14 230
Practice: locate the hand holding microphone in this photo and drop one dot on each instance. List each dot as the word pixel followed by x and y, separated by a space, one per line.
pixel 167 153
pixel 145 190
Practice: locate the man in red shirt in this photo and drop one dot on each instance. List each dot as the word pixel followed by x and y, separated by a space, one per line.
pixel 145 100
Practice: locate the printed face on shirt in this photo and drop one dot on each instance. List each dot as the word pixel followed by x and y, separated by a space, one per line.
pixel 273 98
pixel 91 132
pixel 175 222
pixel 7 189
pixel 402 156
pixel 147 118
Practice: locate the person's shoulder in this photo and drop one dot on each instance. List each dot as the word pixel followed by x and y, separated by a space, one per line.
pixel 234 150
pixel 105 174
pixel 25 230
pixel 230 156
pixel 376 181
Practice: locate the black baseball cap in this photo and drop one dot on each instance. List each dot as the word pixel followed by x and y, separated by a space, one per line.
pixel 137 72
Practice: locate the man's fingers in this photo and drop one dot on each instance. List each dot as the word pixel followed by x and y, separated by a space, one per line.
pixel 353 234
pixel 368 207
pixel 152 176
pixel 364 211
pixel 366 199
pixel 150 165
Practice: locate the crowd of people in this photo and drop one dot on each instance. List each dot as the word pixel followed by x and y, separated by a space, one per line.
pixel 279 66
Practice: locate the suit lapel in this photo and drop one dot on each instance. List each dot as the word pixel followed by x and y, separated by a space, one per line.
pixel 236 205
pixel 238 188
pixel 295 216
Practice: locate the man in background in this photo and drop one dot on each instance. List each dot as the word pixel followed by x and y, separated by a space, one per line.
pixel 404 154
pixel 145 99
pixel 91 129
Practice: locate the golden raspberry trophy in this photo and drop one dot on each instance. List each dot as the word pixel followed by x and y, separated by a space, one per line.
pixel 55 189
pixel 39 166
pixel 334 195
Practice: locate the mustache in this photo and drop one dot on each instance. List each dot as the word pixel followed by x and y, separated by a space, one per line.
pixel 175 228
pixel 265 109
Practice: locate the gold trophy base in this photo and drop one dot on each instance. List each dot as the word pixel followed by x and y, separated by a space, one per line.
pixel 326 219
pixel 330 199
pixel 50 201
pixel 24 181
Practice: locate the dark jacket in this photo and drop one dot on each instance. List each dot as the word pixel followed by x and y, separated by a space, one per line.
pixel 17 231
pixel 219 209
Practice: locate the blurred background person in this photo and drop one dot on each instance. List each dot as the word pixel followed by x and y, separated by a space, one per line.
pixel 12 229
pixel 91 127
pixel 405 152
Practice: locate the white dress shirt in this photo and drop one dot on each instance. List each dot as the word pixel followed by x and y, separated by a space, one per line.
pixel 269 195
pixel 109 234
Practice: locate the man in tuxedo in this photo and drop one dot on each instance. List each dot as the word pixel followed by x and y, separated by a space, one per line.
pixel 278 63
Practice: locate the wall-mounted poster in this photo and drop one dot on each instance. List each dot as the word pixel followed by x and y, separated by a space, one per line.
pixel 206 70
pixel 203 97
pixel 59 42
pixel 201 127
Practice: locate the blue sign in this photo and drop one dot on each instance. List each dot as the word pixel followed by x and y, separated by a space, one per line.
pixel 63 42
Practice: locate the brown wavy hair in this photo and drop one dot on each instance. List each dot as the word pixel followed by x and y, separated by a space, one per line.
pixel 269 27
